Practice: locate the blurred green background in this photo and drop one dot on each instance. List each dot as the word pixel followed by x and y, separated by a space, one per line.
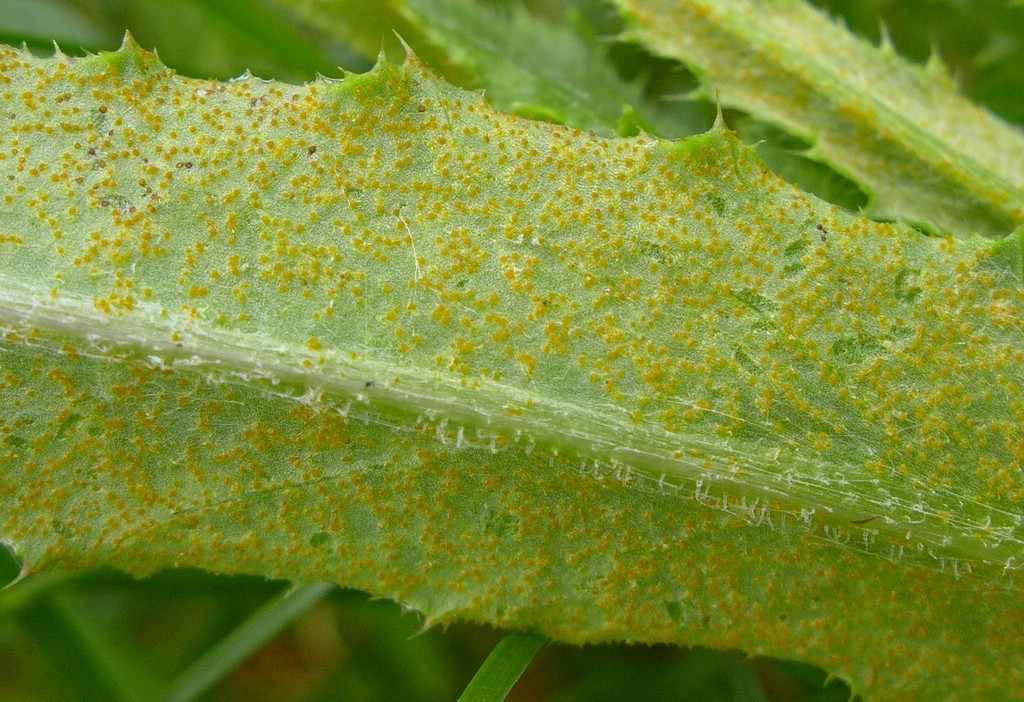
pixel 102 636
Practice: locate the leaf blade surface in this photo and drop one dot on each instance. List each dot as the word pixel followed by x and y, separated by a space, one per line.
pixel 375 332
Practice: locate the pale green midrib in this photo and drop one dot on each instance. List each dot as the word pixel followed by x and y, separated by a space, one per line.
pixel 752 485
pixel 1006 203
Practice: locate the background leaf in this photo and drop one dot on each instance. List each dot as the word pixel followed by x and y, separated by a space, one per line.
pixel 921 152
pixel 981 42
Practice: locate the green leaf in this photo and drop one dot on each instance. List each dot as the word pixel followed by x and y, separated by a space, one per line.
pixel 540 69
pixel 923 153
pixel 373 331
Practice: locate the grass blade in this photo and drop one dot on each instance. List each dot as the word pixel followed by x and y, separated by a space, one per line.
pixel 89 660
pixel 503 667
pixel 268 621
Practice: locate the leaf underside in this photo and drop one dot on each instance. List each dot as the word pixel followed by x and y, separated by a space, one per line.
pixel 373 331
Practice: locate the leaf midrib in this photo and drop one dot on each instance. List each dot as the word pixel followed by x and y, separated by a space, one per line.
pixel 476 414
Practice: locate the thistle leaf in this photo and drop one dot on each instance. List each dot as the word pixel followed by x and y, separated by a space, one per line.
pixel 924 154
pixel 373 331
